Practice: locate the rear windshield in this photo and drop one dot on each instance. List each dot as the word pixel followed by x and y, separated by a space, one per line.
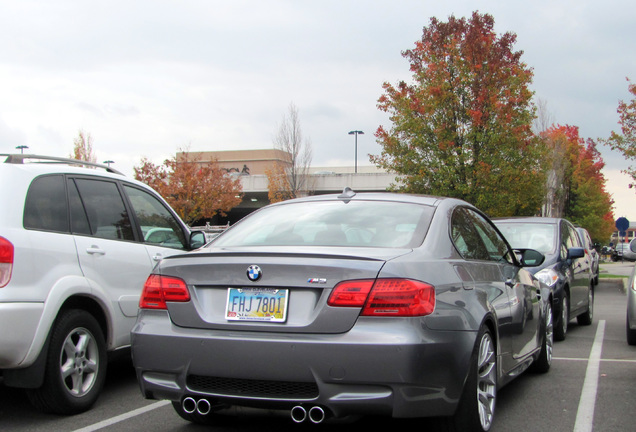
pixel 333 223
pixel 538 236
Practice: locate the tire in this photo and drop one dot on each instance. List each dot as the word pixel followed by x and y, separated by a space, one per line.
pixel 631 334
pixel 544 361
pixel 75 365
pixel 561 322
pixel 476 408
pixel 586 317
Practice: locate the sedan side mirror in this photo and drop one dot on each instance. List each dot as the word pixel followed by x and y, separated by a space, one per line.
pixel 529 257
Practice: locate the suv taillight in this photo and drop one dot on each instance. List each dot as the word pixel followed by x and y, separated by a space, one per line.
pixel 161 289
pixel 385 297
pixel 6 261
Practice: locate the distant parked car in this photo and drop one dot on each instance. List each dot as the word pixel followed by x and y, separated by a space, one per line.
pixel 631 303
pixel 591 252
pixel 566 269
pixel 623 252
pixel 351 304
pixel 76 246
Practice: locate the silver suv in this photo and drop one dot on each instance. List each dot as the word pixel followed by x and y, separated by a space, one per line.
pixel 76 246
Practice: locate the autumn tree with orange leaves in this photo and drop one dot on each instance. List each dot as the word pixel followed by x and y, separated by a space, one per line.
pixel 193 189
pixel 462 128
pixel 576 184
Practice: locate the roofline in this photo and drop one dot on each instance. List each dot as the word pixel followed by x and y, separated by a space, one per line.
pixel 19 159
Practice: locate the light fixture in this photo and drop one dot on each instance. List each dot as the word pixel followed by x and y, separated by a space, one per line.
pixel 356 133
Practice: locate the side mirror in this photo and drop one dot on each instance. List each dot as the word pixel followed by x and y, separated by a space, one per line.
pixel 197 239
pixel 529 257
pixel 576 252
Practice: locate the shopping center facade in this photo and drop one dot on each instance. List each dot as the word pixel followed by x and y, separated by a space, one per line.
pixel 251 167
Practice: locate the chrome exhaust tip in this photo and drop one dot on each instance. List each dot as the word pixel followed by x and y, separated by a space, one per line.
pixel 317 414
pixel 298 414
pixel 203 407
pixel 189 405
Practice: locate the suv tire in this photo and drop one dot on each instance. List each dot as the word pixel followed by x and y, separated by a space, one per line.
pixel 75 365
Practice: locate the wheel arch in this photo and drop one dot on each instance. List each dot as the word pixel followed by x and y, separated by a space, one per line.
pixel 33 375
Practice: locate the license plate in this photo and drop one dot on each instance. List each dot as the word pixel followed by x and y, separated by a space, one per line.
pixel 256 304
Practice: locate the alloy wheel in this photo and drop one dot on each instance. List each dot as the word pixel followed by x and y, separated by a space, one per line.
pixel 486 381
pixel 79 362
pixel 549 335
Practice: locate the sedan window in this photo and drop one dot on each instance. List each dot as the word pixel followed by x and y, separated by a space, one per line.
pixel 333 223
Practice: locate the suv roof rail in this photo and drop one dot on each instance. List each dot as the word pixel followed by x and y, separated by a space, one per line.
pixel 19 159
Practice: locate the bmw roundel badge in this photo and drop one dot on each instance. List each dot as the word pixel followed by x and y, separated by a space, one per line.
pixel 254 273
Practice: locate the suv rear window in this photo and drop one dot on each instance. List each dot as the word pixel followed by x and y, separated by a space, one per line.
pixel 45 207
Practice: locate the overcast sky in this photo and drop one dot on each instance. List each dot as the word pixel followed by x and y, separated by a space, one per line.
pixel 147 77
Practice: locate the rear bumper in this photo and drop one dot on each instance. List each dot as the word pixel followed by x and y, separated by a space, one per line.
pixel 382 366
pixel 19 323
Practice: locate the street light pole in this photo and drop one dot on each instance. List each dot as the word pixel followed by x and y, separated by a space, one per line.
pixel 356 132
pixel 22 147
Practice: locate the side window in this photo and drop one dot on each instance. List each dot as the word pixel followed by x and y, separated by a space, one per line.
pixel 79 219
pixel 465 236
pixel 45 207
pixel 572 237
pixel 105 209
pixel 158 225
pixel 496 246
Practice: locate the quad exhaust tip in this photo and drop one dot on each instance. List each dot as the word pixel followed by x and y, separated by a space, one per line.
pixel 315 414
pixel 202 406
pixel 299 414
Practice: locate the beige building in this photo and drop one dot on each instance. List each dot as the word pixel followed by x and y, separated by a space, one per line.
pixel 253 162
pixel 251 166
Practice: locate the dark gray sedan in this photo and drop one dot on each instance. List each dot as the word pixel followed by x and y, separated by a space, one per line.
pixel 351 304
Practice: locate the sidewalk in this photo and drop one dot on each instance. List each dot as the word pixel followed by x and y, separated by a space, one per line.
pixel 620 268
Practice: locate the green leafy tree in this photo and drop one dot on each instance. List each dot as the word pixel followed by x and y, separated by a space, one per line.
pixel 625 142
pixel 582 196
pixel 462 128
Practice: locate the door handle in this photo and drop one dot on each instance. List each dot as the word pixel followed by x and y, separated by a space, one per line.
pixel 95 250
pixel 157 257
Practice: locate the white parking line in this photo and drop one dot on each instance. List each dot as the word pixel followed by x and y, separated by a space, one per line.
pixel 122 417
pixel 585 412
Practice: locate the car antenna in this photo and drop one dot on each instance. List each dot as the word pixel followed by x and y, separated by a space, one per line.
pixel 347 194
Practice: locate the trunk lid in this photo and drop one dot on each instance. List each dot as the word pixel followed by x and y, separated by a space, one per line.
pixel 307 274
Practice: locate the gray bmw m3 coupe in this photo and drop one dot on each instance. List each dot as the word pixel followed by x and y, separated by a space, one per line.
pixel 353 304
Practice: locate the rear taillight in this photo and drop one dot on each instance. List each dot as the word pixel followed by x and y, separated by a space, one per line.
pixel 385 297
pixel 6 261
pixel 161 289
pixel 350 293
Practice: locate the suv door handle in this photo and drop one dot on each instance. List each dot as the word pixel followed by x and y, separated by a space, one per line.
pixel 95 250
pixel 157 257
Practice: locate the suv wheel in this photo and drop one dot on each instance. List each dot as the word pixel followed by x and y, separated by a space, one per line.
pixel 75 365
